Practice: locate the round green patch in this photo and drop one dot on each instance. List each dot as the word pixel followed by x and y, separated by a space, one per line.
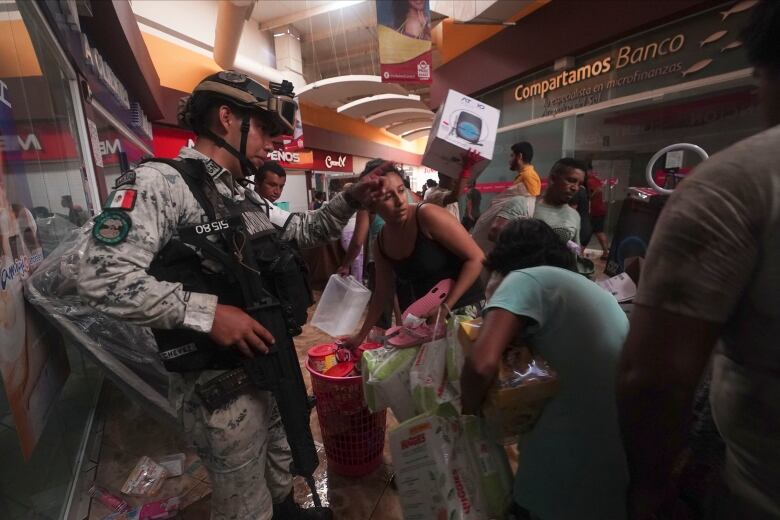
pixel 111 227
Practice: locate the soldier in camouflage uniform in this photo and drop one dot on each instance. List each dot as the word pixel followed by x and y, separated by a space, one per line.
pixel 243 445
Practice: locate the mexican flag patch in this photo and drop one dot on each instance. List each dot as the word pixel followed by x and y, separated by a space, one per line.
pixel 121 199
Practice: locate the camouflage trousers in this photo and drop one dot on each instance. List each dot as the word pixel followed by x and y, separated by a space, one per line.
pixel 243 446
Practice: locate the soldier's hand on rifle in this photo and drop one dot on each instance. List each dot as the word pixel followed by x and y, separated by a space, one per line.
pixel 233 328
pixel 371 187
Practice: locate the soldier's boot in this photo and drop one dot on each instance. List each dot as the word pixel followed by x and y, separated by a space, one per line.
pixel 289 510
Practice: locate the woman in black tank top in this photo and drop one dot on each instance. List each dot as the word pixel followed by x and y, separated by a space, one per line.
pixel 419 246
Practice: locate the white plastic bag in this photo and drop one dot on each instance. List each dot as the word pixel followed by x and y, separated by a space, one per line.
pixel 428 377
pixel 456 351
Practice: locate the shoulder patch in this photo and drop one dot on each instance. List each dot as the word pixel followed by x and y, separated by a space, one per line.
pixel 111 227
pixel 121 199
pixel 125 178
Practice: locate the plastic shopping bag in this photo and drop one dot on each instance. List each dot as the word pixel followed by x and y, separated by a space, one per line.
pixel 386 380
pixel 447 469
pixel 490 465
pixel 428 377
pixel 525 384
pixel 462 332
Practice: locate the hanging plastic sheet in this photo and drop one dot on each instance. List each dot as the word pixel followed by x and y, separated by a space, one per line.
pixel 127 353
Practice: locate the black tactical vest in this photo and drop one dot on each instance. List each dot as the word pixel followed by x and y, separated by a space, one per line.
pixel 283 274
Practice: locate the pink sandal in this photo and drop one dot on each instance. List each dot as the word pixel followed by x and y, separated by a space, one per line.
pixel 404 336
pixel 407 337
pixel 430 301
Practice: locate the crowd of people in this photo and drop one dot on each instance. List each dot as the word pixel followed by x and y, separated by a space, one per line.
pixel 609 445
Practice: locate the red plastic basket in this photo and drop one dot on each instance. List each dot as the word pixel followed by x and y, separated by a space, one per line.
pixel 354 438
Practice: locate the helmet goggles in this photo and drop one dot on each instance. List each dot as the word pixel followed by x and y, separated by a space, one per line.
pixel 277 102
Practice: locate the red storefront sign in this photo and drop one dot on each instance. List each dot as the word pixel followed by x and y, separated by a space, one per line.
pixel 319 160
pixel 168 141
pixel 46 144
pixel 295 160
pixel 49 143
pixel 332 161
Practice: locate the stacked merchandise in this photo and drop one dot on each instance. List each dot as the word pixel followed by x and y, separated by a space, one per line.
pixel 450 465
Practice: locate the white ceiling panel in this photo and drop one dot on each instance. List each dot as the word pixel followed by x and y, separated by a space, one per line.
pixel 369 106
pixel 338 91
pixel 399 115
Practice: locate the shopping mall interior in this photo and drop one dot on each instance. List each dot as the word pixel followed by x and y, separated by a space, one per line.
pixel 582 116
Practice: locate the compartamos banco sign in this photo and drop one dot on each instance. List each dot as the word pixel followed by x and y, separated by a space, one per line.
pixel 625 55
pixel 699 46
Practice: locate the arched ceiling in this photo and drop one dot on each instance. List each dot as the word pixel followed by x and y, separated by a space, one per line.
pixel 422 132
pixel 409 126
pixel 338 91
pixel 399 115
pixel 368 106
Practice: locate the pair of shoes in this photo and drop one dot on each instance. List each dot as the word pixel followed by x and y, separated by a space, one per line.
pixel 405 336
pixel 411 336
pixel 289 510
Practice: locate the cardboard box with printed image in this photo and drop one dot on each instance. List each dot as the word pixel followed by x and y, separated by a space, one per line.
pixel 462 123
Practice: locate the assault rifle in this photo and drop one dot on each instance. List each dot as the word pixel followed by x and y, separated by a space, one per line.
pixel 278 371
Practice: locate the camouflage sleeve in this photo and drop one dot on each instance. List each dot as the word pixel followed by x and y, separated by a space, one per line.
pixel 113 278
pixel 312 228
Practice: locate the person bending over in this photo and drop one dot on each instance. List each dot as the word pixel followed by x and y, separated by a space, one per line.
pixel 573 464
pixel 419 246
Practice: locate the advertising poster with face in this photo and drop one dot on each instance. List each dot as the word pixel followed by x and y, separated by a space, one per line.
pixel 404 29
pixel 33 361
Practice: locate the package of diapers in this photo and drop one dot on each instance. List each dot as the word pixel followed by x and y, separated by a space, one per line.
pixel 386 384
pixel 447 469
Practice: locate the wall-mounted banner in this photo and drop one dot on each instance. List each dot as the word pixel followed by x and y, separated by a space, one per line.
pixel 404 29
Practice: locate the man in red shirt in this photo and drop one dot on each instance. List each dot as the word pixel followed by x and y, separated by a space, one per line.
pixel 598 211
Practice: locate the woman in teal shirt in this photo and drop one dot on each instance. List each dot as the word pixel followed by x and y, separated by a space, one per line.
pixel 572 463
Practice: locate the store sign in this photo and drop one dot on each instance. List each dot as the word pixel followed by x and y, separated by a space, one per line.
pixel 49 144
pixel 332 162
pixel 139 120
pixel 297 160
pixel 104 72
pixel 103 82
pixel 706 44
pixel 319 160
pixel 169 141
